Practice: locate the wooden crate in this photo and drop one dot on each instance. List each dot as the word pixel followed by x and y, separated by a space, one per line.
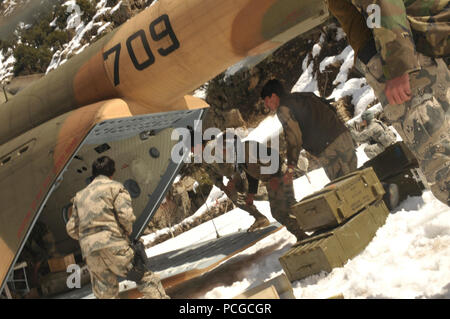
pixel 58 264
pixel 338 201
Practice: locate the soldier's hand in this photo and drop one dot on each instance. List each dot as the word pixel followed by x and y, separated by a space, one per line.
pixel 398 90
pixel 249 199
pixel 289 175
pixel 230 187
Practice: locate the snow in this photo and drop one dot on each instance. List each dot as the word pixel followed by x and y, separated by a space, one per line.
pixel 409 256
pixel 268 129
pixel 6 66
pixel 307 82
pixel 74 21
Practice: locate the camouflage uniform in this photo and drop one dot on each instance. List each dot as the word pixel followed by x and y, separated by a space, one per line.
pixel 281 198
pixel 237 194
pixel 40 245
pixel 281 195
pixel 412 37
pixel 335 150
pixel 378 135
pixel 339 158
pixel 102 219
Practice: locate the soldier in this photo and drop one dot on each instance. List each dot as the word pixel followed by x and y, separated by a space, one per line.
pixel 375 133
pixel 39 247
pixel 102 220
pixel 401 60
pixel 310 123
pixel 280 189
pixel 241 187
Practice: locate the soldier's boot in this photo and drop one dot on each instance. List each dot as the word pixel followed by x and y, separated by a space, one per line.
pixel 392 195
pixel 260 222
pixel 151 287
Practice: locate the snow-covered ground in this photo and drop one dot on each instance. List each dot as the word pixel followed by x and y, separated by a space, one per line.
pixel 408 258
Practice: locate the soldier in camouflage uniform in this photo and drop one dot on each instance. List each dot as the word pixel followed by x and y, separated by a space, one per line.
pixel 102 220
pixel 280 188
pixel 39 247
pixel 310 123
pixel 241 187
pixel 401 60
pixel 375 133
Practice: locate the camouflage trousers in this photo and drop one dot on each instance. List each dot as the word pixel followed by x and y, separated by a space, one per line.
pixel 339 158
pixel 239 195
pixel 373 150
pixel 423 122
pixel 281 198
pixel 107 264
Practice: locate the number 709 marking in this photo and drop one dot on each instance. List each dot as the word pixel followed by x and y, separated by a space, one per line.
pixel 140 36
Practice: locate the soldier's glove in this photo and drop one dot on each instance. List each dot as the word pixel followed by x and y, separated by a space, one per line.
pixel 249 199
pixel 140 262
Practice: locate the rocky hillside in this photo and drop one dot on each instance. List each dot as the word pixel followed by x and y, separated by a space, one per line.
pixel 55 31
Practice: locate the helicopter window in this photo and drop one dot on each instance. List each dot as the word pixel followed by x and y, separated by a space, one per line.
pixel 6 160
pixel 23 150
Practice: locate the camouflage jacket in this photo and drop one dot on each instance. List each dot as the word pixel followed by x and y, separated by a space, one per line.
pixel 217 166
pixel 405 26
pixel 242 174
pixel 375 133
pixel 96 212
pixel 308 122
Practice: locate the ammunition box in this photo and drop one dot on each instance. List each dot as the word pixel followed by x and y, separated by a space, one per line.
pixel 338 201
pixel 334 248
pixel 266 293
pixel 279 284
pixel 393 160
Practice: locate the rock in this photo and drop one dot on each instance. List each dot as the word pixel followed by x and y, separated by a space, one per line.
pixel 344 108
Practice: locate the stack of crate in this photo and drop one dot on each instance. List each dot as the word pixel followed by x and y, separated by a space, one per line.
pixel 344 217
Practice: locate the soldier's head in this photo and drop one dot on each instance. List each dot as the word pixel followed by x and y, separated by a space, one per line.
pixel 103 166
pixel 366 117
pixel 271 93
